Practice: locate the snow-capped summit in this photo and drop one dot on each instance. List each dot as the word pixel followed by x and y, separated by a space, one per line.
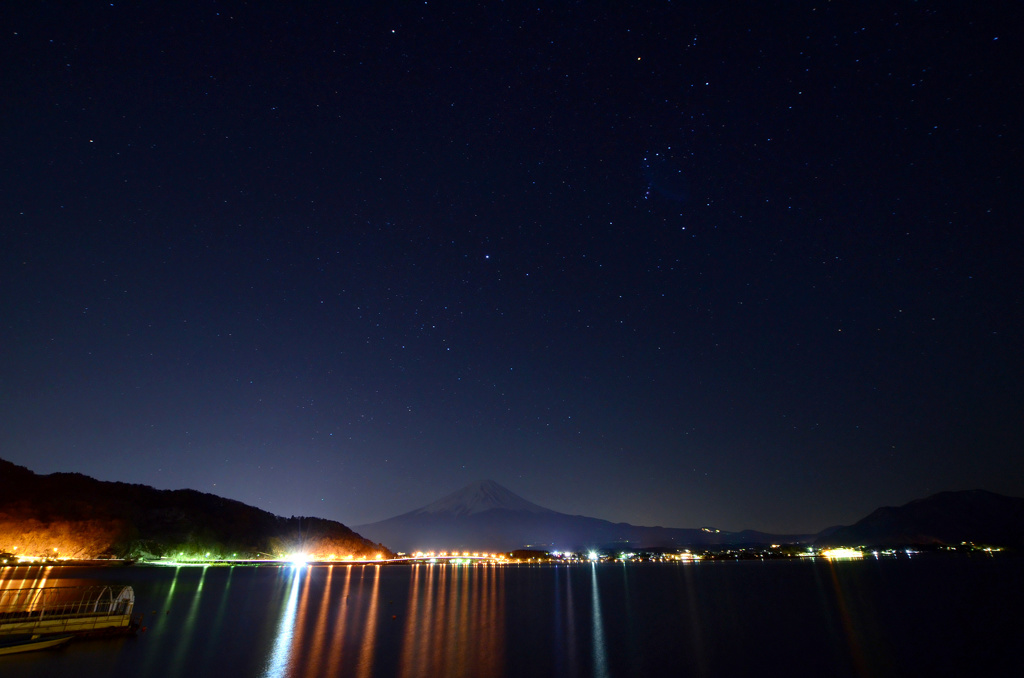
pixel 486 516
pixel 483 495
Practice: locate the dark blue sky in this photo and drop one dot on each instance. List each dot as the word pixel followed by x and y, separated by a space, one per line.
pixel 667 263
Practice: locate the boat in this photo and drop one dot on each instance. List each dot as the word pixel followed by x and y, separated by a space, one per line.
pixel 51 610
pixel 12 644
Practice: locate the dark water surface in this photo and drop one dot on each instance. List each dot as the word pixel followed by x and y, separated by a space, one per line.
pixel 927 615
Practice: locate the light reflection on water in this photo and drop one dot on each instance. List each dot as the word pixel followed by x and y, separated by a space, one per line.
pixel 280 653
pixel 334 620
pixel 565 621
pixel 453 623
pixel 600 660
pixel 839 619
pixel 365 664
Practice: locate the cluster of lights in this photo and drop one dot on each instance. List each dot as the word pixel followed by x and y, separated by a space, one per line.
pixel 296 559
pixel 303 559
pixel 841 554
pixel 451 556
pixel 683 556
pixel 22 558
pixel 465 557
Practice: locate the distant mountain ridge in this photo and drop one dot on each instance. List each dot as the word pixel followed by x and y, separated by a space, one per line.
pixel 486 516
pixel 976 516
pixel 82 517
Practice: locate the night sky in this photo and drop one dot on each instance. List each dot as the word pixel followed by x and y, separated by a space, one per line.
pixel 744 265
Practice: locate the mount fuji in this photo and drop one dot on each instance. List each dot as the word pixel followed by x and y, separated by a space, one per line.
pixel 484 516
pixel 480 497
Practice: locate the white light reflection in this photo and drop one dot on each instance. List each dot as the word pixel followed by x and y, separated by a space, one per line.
pixel 277 663
pixel 600 661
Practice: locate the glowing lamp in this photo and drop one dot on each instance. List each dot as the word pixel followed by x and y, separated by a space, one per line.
pixel 842 553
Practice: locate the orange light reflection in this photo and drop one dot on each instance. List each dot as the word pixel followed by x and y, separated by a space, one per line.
pixel 338 644
pixel 455 624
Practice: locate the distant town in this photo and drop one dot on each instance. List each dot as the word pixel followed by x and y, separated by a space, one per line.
pixel 517 557
pixel 70 518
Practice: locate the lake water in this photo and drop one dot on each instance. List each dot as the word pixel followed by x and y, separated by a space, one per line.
pixel 926 615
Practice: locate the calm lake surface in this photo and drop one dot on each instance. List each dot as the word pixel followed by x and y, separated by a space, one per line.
pixel 929 614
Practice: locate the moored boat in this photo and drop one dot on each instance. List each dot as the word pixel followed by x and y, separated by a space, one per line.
pixel 13 644
pixel 40 611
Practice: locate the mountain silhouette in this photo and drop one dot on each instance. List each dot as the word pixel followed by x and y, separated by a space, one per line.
pixel 484 516
pixel 478 497
pixel 81 517
pixel 974 516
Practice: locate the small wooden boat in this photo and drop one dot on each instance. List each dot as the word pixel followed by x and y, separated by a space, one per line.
pixel 27 643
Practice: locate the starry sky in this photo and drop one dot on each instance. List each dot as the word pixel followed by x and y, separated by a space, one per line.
pixel 750 265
